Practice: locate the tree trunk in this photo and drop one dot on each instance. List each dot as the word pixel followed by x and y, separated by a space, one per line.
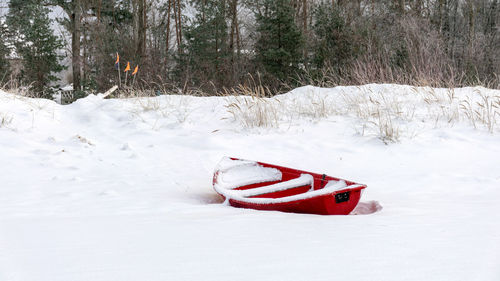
pixel 401 7
pixel 141 30
pixel 84 45
pixel 75 45
pixel 234 3
pixel 203 10
pixel 178 24
pixel 358 8
pixel 99 6
pixel 237 29
pixel 441 4
pixel 167 36
pixel 418 8
pixel 304 27
pixel 471 25
pixel 304 17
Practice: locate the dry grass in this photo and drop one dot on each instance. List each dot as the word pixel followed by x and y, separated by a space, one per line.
pixel 5 120
pixel 156 111
pixel 386 115
pixel 380 114
pixel 253 112
pixel 485 111
pixel 258 91
pixel 249 106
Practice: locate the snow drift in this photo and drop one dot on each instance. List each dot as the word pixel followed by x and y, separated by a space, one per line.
pixel 121 189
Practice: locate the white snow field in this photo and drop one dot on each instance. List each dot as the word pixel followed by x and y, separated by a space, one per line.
pixel 109 189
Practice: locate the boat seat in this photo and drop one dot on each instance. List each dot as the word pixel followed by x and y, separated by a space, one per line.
pixel 303 180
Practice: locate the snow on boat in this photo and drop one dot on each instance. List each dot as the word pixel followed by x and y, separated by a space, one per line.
pixel 261 186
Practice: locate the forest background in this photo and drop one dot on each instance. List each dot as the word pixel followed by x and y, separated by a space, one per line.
pixel 208 47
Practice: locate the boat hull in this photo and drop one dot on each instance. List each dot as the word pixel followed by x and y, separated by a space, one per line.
pixel 320 205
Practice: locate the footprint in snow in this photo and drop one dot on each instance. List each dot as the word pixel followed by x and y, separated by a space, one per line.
pixel 126 146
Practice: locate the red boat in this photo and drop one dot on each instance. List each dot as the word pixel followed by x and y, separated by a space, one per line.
pixel 261 186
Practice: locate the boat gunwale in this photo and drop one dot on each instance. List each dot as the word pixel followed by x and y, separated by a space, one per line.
pixel 233 194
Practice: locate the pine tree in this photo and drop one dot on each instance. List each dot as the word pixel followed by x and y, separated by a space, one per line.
pixel 279 45
pixel 333 45
pixel 36 43
pixel 4 52
pixel 207 42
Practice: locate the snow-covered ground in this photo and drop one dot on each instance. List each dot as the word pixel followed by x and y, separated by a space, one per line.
pixel 121 189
